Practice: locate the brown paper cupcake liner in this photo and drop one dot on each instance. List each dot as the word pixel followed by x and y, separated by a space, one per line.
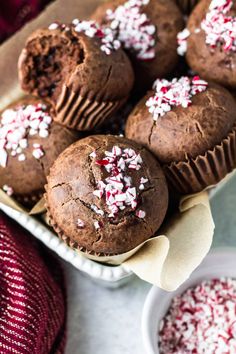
pixel 81 113
pixel 186 5
pixel 195 174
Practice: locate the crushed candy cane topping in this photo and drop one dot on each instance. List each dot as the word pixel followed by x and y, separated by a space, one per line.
pixel 109 42
pixel 9 190
pixel 201 320
pixel 182 41
pixel 16 125
pixel 133 28
pixel 219 27
pixel 53 26
pixel 80 224
pixel 177 92
pixel 91 29
pixel 117 188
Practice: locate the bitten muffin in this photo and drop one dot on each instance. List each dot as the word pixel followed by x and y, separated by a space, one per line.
pixel 29 144
pixel 147 29
pixel 190 126
pixel 210 41
pixel 80 69
pixel 106 195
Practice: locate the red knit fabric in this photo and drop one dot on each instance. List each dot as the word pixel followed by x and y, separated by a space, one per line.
pixel 15 13
pixel 32 296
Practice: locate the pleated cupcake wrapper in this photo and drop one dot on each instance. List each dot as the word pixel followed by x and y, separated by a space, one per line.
pixel 186 5
pixel 206 170
pixel 81 113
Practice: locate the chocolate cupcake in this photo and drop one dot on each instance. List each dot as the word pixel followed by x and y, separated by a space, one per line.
pixel 210 41
pixel 147 30
pixel 190 127
pixel 29 144
pixel 80 69
pixel 106 195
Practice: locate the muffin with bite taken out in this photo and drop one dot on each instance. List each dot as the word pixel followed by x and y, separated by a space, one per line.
pixel 80 69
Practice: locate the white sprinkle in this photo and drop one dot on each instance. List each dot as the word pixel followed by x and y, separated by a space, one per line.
pixel 97 210
pixel 93 154
pixel 38 153
pixel 21 157
pixel 80 223
pixel 177 92
pixel 8 190
pixel 98 193
pixel 96 225
pixel 108 39
pixel 15 127
pixel 143 180
pixel 3 158
pixel 133 28
pixel 53 26
pixel 140 214
pixel 117 189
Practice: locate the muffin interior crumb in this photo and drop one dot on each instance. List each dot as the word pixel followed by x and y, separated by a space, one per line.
pixel 50 60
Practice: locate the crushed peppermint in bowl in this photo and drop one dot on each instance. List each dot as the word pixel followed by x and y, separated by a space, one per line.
pixel 199 317
pixel 201 320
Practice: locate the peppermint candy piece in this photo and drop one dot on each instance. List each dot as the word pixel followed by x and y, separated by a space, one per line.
pixel 16 125
pixel 133 28
pixel 117 189
pixel 177 92
pixel 109 42
pixel 201 320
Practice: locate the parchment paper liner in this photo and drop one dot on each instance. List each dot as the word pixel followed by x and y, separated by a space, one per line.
pixel 168 259
pixel 80 112
pixel 206 170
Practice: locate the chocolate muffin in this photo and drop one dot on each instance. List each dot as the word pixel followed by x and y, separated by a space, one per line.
pixel 190 127
pixel 209 41
pixel 80 69
pixel 147 29
pixel 29 144
pixel 106 195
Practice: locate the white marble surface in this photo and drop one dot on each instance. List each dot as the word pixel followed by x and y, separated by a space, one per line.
pixel 108 321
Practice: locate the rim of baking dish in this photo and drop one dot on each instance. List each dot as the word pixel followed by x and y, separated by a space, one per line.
pixel 96 270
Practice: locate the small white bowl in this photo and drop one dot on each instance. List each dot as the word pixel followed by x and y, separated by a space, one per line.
pixel 221 262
